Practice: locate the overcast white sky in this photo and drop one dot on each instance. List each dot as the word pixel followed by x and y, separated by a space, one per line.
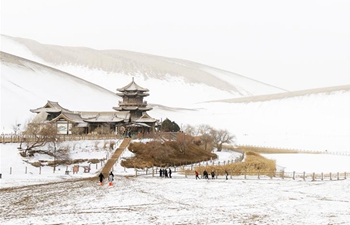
pixel 291 44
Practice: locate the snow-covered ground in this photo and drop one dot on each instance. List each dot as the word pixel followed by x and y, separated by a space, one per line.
pixel 312 121
pixel 57 198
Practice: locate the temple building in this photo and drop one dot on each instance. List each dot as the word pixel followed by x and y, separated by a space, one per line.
pixel 130 116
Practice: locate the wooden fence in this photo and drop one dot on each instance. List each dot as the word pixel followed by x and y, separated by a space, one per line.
pixel 183 173
pixel 187 171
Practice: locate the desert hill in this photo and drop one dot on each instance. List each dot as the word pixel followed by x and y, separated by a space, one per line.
pixel 169 74
pixel 86 79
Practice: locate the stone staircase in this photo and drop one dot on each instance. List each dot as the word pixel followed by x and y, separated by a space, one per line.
pixel 108 166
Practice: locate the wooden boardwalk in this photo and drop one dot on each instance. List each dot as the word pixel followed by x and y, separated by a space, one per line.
pixel 108 166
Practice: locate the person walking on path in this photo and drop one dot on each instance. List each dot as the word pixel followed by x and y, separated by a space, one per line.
pixel 160 172
pixel 110 179
pixel 205 174
pixel 170 172
pixel 212 174
pixel 226 173
pixel 196 172
pixel 101 178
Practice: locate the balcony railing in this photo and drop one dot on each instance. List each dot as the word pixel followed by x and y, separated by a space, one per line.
pixel 144 103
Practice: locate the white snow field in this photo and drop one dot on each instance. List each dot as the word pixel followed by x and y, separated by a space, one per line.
pixel 187 93
pixel 57 198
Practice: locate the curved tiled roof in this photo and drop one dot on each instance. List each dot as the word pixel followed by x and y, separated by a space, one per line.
pixel 50 107
pixel 132 87
pixel 69 116
pixel 145 118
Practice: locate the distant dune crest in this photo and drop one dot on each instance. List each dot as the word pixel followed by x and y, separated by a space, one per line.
pixel 133 63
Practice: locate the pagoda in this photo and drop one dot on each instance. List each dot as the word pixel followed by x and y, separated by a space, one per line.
pixel 133 103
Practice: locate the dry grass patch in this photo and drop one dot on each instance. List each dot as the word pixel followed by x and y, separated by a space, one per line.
pixel 266 150
pixel 254 164
pixel 169 153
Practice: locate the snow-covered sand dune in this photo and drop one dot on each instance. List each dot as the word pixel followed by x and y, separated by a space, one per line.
pixel 179 90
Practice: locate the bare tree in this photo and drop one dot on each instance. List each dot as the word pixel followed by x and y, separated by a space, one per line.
pixel 221 137
pixel 189 129
pixel 38 135
pixel 184 141
pixel 205 136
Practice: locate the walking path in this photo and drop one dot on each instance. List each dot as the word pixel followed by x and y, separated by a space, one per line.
pixel 108 166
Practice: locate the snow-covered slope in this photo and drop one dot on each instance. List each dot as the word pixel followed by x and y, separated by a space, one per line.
pixel 26 85
pixel 310 119
pixel 171 76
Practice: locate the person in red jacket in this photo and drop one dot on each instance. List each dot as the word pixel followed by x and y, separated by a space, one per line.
pixel 197 177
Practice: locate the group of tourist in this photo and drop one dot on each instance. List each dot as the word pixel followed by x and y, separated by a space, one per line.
pixel 206 175
pixel 165 172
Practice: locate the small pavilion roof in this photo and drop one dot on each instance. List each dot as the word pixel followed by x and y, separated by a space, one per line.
pixel 145 118
pixel 69 116
pixel 50 106
pixel 132 87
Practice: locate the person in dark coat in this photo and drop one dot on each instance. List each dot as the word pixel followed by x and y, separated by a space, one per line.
pixel 205 174
pixel 165 173
pixel 160 172
pixel 101 177
pixel 226 173
pixel 212 174
pixel 170 173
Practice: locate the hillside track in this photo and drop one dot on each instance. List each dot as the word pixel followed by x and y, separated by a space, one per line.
pixel 108 166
